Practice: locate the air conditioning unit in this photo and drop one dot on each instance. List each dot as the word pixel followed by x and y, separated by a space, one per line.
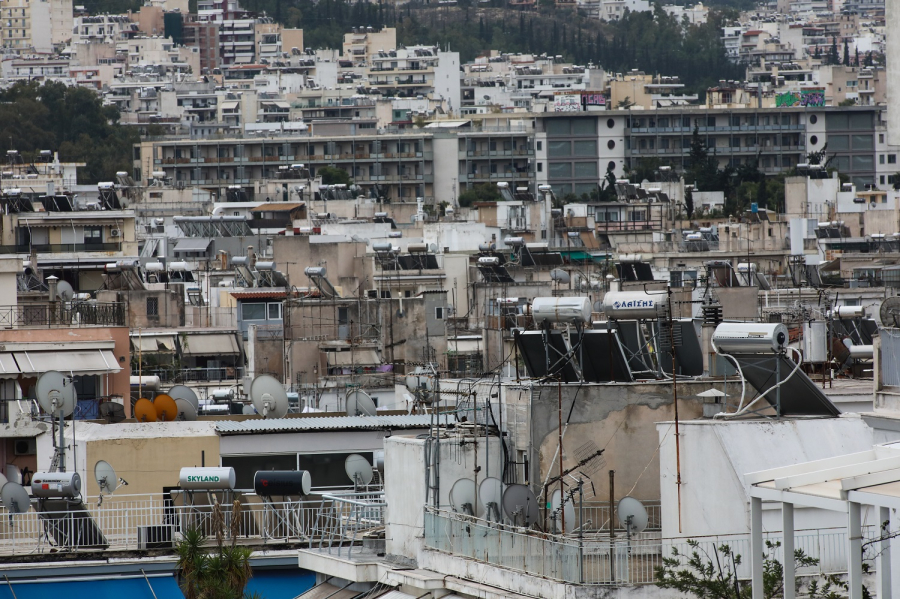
pixel 25 447
pixel 372 293
pixel 114 232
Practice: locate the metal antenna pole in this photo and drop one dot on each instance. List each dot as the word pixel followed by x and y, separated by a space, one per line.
pixel 62 443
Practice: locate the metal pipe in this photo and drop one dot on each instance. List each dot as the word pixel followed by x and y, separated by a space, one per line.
pixel 612 526
pixel 675 403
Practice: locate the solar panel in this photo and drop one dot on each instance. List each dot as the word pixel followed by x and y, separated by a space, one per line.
pixel 799 395
pixel 598 356
pixel 639 359
pixel 537 357
pixel 635 271
pixel 495 274
pixel 70 525
pixel 687 349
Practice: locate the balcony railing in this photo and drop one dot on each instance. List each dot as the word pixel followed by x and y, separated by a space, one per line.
pixel 197 375
pixel 63 314
pixel 59 248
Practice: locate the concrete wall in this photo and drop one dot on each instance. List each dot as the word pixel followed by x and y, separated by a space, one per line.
pixel 715 455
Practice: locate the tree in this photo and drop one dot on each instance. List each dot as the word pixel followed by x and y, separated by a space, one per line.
pixel 846 52
pixel 689 203
pixel 624 103
pixel 334 176
pixel 220 572
pixel 896 181
pixel 484 192
pixel 833 54
pixel 714 576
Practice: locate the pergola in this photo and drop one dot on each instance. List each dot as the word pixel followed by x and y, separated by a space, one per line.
pixel 842 484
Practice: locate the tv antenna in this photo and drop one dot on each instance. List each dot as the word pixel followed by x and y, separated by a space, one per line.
pixel 520 505
pixel 632 515
pixel 462 496
pixel 359 403
pixel 562 512
pixel 359 470
pixel 268 396
pixel 57 397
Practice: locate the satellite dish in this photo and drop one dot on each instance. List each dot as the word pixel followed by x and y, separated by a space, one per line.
pixel 186 410
pixel 358 469
pixel 378 458
pixel 3 480
pixel 520 505
pixel 567 512
pixel 15 498
pixel 113 412
pixel 360 404
pixel 106 477
pixel 64 291
pixel 560 276
pixel 181 392
pixel 248 409
pixel 166 408
pixel 632 515
pixel 54 394
pixel 890 312
pixel 268 396
pixel 462 496
pixel 144 410
pixel 490 498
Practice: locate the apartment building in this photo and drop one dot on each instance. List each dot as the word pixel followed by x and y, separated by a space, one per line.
pixel 364 42
pixel 34 25
pixel 414 71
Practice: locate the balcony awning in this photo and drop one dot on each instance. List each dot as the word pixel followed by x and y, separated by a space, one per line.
pixel 88 361
pixel 359 357
pixel 8 367
pixel 224 344
pixel 153 344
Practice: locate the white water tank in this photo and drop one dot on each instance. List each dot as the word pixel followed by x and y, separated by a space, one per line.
pixel 847 312
pixel 627 305
pixel 561 309
pixel 815 340
pixel 750 337
pixel 56 484
pixel 206 478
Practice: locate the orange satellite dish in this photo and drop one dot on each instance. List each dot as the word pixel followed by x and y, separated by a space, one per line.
pixel 166 408
pixel 144 410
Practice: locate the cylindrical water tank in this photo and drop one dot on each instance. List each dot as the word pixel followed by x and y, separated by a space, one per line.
pixel 56 484
pixel 206 478
pixel 260 265
pixel 815 338
pixel 862 352
pixel 561 309
pixel 626 305
pixel 847 312
pixel 314 271
pixel 514 242
pixel 750 337
pixel 154 267
pixel 417 248
pixel 381 247
pixel 179 266
pixel 282 482
pixel 630 258
pixel 488 261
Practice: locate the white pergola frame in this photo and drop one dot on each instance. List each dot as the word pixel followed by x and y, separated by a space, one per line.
pixel 862 478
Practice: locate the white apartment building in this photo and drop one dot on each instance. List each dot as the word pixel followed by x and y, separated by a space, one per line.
pixel 417 70
pixel 35 25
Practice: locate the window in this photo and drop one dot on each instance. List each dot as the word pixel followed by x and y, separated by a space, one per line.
pixel 585 148
pixel 152 306
pixel 439 313
pixel 611 144
pixel 253 311
pixel 274 311
pixel 813 119
pixel 610 123
pixel 881 159
pixel 892 159
pixel 93 235
pixel 559 148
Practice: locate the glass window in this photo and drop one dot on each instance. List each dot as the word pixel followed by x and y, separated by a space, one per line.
pixel 559 170
pixel 837 120
pixel 863 163
pixel 892 159
pixel 861 120
pixel 587 147
pixel 559 126
pixel 862 142
pixel 585 188
pixel 838 142
pixel 254 311
pixel 93 235
pixel 152 306
pixel 841 163
pixel 585 169
pixel 557 149
pixel 275 311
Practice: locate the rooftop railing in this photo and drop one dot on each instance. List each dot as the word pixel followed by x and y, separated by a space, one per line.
pixel 63 314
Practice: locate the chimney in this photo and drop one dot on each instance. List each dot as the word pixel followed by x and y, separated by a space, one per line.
pixel 52 284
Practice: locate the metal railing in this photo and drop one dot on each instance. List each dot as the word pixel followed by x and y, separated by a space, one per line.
pixel 57 248
pixel 349 517
pixel 594 559
pixel 183 375
pixel 142 522
pixel 63 314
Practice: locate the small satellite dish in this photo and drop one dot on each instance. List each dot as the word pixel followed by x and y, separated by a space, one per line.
pixel 520 505
pixel 248 409
pixel 358 469
pixel 567 512
pixel 106 477
pixel 490 497
pixel 15 498
pixel 181 392
pixel 560 276
pixel 186 410
pixel 462 496
pixel 54 394
pixel 111 411
pixel 64 291
pixel 632 515
pixel 378 458
pixel 268 396
pixel 890 312
pixel 144 410
pixel 360 404
pixel 166 408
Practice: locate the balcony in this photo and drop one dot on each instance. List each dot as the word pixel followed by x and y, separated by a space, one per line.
pixel 60 248
pixel 197 375
pixel 60 314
